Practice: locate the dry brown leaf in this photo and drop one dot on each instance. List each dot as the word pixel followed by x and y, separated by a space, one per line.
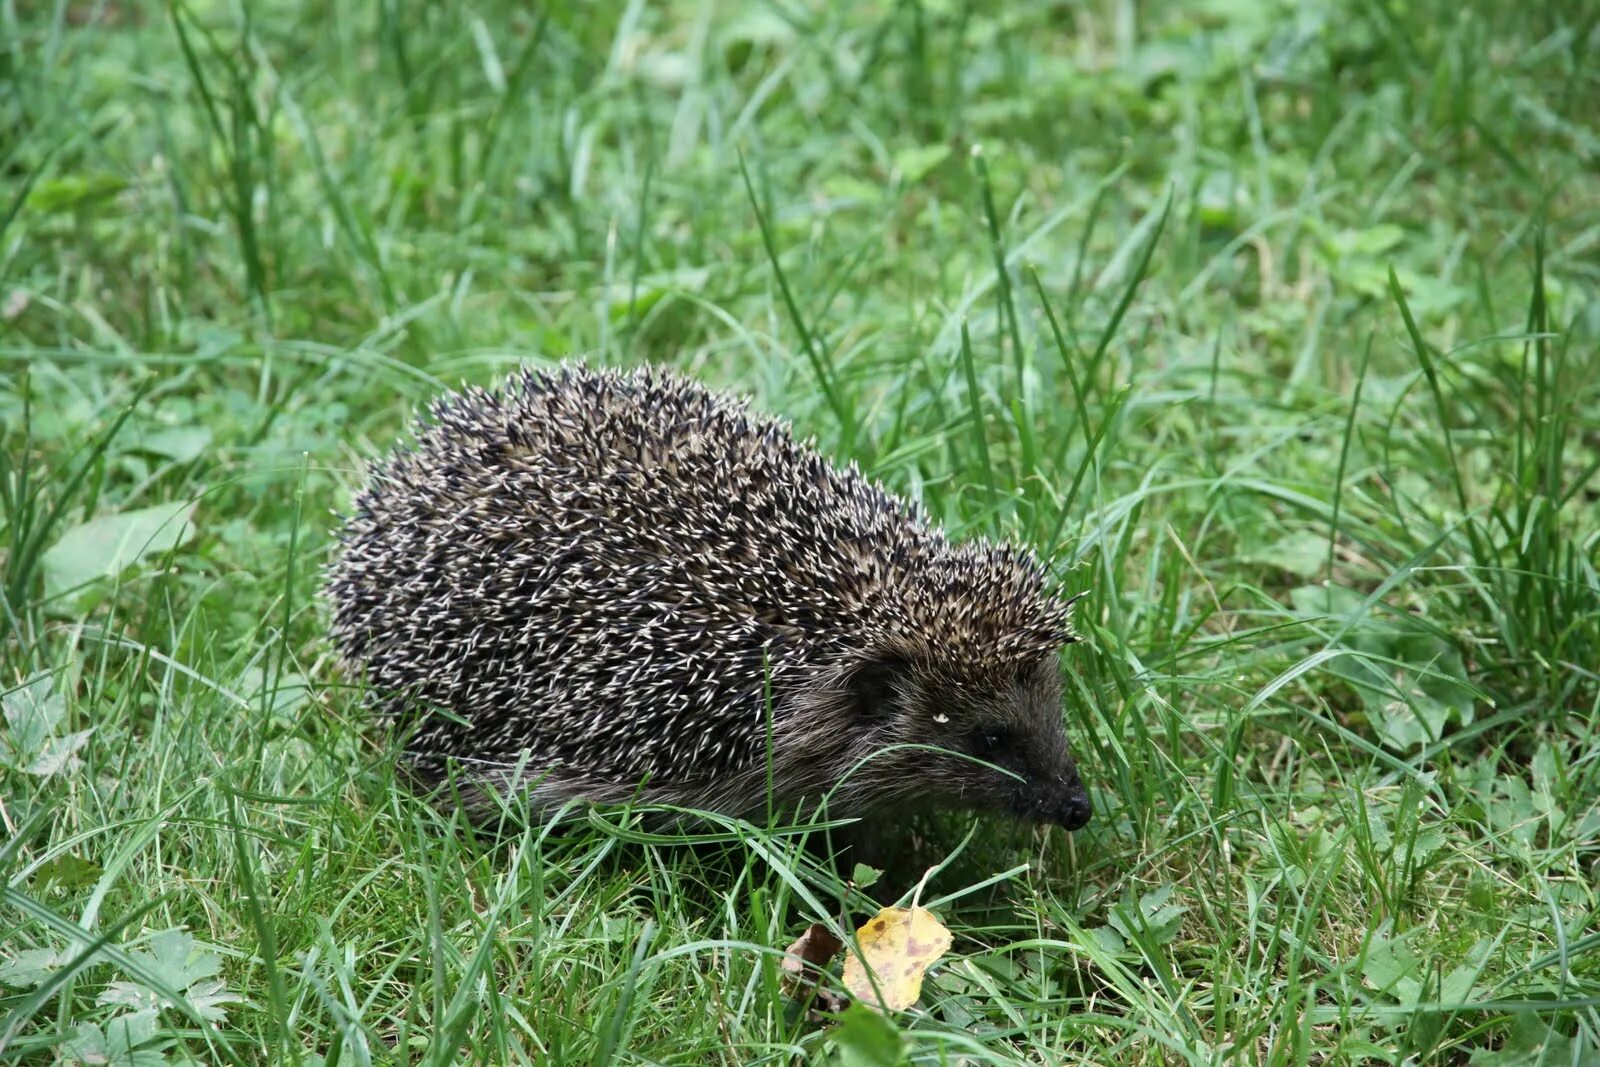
pixel 803 962
pixel 899 944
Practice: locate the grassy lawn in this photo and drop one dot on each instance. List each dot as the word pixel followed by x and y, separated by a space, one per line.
pixel 1272 324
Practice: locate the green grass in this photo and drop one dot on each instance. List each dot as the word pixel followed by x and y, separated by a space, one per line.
pixel 1274 326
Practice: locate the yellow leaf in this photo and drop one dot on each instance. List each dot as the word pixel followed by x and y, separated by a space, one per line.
pixel 899 944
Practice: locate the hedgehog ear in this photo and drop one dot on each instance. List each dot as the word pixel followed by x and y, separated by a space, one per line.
pixel 876 685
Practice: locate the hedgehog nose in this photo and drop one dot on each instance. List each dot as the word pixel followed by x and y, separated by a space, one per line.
pixel 1073 812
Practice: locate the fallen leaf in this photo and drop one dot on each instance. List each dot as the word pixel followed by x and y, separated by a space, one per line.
pixel 898 945
pixel 803 962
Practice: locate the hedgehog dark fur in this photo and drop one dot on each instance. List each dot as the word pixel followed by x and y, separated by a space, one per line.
pixel 607 575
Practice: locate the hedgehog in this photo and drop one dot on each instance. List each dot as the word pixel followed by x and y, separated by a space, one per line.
pixel 614 586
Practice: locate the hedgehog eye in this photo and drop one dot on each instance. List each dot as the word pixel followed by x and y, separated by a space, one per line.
pixel 993 739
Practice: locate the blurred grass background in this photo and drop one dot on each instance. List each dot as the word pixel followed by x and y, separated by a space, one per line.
pixel 1273 325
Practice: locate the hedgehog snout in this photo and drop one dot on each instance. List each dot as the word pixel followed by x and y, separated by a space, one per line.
pixel 1057 798
pixel 1072 811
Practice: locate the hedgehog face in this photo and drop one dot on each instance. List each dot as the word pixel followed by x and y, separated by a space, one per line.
pixel 1004 744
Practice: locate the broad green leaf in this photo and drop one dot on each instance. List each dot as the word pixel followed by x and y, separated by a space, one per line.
pixel 913 164
pixel 59 754
pixel 31 966
pixel 864 877
pixel 1391 967
pixel 74 191
pixel 33 714
pixel 183 964
pixel 1155 915
pixel 178 443
pixel 1538 1041
pixel 1108 938
pixel 179 959
pixel 1301 553
pixel 107 545
pixel 68 871
pixel 126 1041
pixel 865 1038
